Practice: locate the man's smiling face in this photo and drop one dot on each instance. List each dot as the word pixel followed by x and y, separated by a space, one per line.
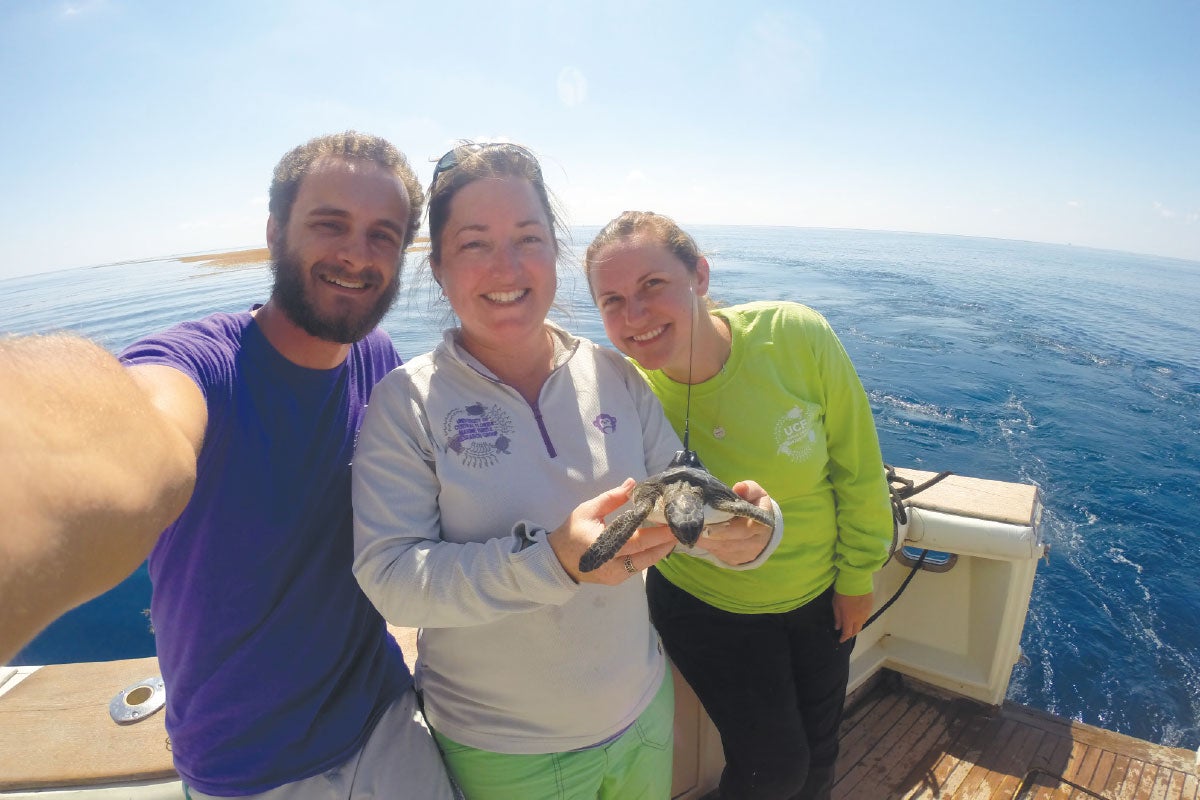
pixel 337 259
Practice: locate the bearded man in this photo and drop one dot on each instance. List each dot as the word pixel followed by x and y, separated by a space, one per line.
pixel 221 449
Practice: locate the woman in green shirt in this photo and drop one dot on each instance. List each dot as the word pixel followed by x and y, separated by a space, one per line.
pixel 773 395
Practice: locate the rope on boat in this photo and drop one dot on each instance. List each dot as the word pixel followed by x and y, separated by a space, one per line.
pixel 1029 780
pixel 911 574
pixel 902 489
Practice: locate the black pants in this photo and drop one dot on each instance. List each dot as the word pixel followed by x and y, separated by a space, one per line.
pixel 773 684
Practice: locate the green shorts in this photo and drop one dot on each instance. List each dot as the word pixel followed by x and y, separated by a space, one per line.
pixel 634 766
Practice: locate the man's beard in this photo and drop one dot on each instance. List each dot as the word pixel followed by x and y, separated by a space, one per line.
pixel 291 294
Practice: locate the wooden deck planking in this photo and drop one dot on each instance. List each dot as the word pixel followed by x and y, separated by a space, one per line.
pixel 869 731
pixel 1104 768
pixel 1141 790
pixel 1005 778
pixel 1055 749
pixel 1129 787
pixel 1175 789
pixel 1070 772
pixel 969 776
pixel 1116 776
pixel 976 782
pixel 937 783
pixel 903 740
pixel 1008 782
pixel 1085 775
pixel 902 758
pixel 900 739
pixel 919 761
pixel 878 760
pixel 1161 784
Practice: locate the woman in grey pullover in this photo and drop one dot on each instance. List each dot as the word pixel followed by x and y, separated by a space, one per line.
pixel 484 469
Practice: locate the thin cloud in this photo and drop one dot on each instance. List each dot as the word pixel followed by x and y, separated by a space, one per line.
pixel 572 87
pixel 1074 204
pixel 1163 211
pixel 780 54
pixel 80 8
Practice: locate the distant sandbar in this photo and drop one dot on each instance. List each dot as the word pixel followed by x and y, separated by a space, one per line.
pixel 260 255
pixel 231 258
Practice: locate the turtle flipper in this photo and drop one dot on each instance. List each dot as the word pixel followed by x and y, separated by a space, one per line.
pixel 614 537
pixel 741 508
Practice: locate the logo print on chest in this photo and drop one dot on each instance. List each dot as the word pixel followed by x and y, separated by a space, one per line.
pixel 478 434
pixel 796 433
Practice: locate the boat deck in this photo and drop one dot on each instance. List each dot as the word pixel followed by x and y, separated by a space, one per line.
pixel 904 740
pixel 901 740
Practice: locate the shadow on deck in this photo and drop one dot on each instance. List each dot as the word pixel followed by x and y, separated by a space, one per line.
pixel 905 740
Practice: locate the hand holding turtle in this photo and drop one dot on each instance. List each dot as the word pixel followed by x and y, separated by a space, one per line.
pixel 685 495
pixel 644 548
pixel 740 540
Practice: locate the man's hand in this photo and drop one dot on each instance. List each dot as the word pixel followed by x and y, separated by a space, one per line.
pixel 92 468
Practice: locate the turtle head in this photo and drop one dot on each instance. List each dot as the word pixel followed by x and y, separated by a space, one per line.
pixel 683 506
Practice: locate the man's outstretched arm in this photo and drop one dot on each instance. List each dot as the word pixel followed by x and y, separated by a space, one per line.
pixel 95 461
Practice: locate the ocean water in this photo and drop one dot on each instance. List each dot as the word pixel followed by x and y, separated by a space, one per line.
pixel 1074 369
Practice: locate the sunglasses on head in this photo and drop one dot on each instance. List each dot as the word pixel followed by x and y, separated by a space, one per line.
pixel 450 160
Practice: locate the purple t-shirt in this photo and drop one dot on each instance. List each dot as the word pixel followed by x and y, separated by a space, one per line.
pixel 275 663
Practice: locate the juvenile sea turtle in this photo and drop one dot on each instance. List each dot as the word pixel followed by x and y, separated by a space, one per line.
pixel 685 496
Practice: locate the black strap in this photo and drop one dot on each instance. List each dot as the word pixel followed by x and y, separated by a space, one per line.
pixel 902 489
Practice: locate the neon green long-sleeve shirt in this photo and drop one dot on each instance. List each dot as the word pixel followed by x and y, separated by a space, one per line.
pixel 787 410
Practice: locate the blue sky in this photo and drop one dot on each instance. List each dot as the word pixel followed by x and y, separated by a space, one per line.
pixel 142 129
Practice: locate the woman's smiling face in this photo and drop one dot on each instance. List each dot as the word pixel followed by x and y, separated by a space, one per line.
pixel 647 298
pixel 498 262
